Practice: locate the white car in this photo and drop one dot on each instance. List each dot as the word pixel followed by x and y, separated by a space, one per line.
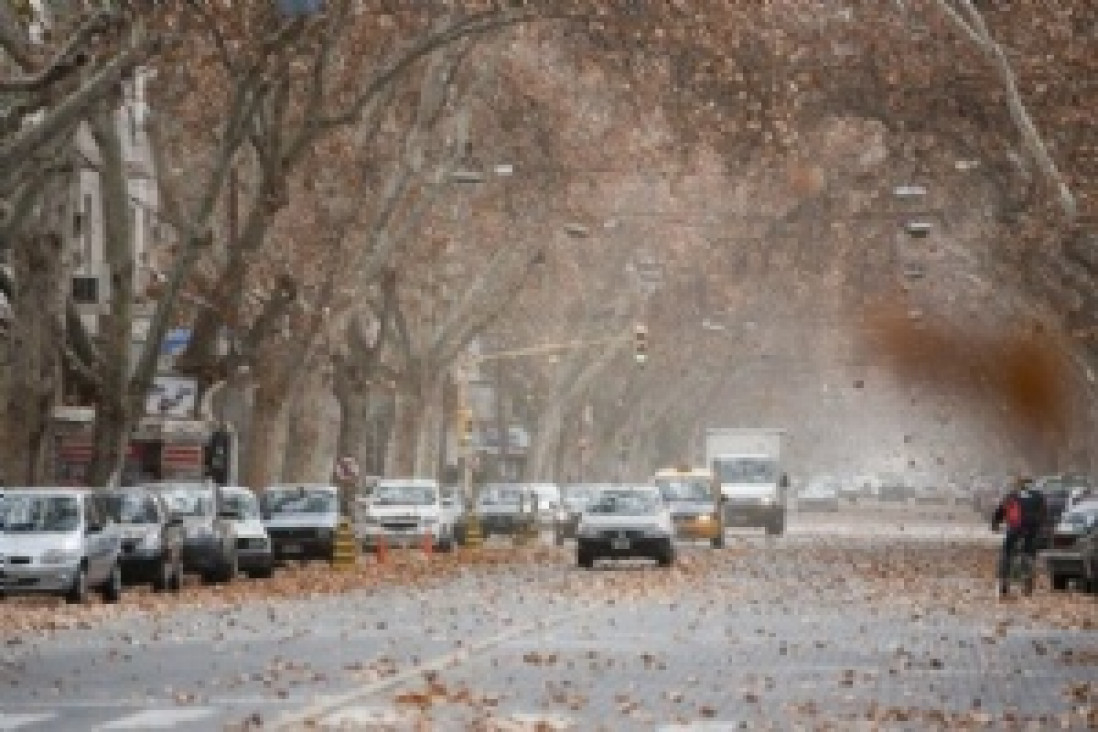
pixel 624 523
pixel 404 512
pixel 254 554
pixel 57 541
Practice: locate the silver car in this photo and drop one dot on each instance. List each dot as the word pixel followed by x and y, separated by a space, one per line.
pixel 301 520
pixel 57 541
pixel 208 546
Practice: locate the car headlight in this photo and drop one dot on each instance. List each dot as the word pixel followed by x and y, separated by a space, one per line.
pixel 655 531
pixel 58 556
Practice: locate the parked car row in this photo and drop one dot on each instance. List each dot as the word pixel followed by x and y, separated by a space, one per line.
pixel 73 541
pixel 1072 552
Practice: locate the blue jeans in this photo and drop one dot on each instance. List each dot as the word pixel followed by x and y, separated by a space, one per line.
pixel 1024 540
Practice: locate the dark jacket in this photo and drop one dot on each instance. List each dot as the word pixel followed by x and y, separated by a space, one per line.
pixel 1033 509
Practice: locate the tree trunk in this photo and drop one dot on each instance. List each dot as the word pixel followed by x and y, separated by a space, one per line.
pixel 113 419
pixel 266 438
pixel 312 432
pixel 430 423
pixel 31 364
pixel 401 458
pixel 544 448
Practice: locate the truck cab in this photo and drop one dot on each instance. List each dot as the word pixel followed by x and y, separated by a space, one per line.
pixel 747 471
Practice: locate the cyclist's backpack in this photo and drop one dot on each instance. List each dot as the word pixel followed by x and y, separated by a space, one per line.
pixel 1012 512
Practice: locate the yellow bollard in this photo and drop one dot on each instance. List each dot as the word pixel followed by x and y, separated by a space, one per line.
pixel 344 546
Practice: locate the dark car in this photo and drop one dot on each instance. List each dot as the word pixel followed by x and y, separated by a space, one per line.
pixel 1071 554
pixel 504 509
pixel 208 544
pixel 301 520
pixel 151 538
pixel 1057 490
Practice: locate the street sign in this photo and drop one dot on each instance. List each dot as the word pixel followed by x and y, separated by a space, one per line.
pixel 175 341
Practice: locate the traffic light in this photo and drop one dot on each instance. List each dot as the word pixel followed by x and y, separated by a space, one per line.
pixel 640 343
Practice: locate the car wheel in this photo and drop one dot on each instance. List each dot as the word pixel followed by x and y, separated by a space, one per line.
pixel 264 572
pixel 445 546
pixel 163 579
pixel 667 556
pixel 584 557
pixel 1059 582
pixel 175 583
pixel 717 542
pixel 78 592
pixel 111 591
pixel 229 571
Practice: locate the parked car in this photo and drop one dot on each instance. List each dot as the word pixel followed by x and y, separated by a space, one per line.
pixel 152 539
pixel 208 546
pixel 504 508
pixel 405 512
pixel 301 520
pixel 1070 555
pixel 1057 490
pixel 626 522
pixel 453 511
pixel 574 499
pixel 57 541
pixel 254 555
pixel 819 495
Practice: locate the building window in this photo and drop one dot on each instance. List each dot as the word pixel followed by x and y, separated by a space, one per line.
pixel 85 290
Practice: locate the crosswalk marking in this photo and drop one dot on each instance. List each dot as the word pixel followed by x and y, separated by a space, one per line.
pixel 15 721
pixel 158 718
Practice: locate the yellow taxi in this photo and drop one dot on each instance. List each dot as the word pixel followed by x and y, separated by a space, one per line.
pixel 695 510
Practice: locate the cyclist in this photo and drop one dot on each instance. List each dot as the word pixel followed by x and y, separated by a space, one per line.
pixel 1022 510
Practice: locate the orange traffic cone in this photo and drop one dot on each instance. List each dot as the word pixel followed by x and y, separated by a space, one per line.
pixel 428 543
pixel 382 549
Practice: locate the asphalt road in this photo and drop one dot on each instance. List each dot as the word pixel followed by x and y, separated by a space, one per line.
pixel 864 616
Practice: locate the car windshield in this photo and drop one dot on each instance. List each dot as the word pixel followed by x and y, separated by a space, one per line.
pixel 189 501
pixel 26 513
pixel 500 497
pixel 405 495
pixel 131 508
pixel 300 500
pixel 243 503
pixel 627 503
pixel 746 470
pixel 684 489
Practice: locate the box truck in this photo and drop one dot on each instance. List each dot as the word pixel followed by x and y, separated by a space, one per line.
pixel 746 464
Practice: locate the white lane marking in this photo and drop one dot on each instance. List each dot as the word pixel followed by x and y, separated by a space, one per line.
pixel 522 721
pixel 15 721
pixel 331 704
pixel 158 718
pixel 355 715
